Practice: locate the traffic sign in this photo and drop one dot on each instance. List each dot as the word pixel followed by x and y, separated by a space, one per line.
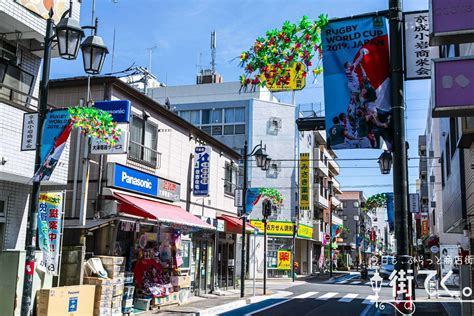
pixel 327 237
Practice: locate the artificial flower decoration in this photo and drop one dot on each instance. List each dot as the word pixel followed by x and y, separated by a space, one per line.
pixel 273 194
pixel 377 200
pixel 267 61
pixel 95 123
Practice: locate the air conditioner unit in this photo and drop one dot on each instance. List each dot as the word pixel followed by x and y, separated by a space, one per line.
pixel 110 207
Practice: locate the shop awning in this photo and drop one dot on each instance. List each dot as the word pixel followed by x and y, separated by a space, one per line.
pixel 234 225
pixel 91 224
pixel 164 213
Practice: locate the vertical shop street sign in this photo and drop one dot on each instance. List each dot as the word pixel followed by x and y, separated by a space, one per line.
pixel 29 134
pixel 304 181
pixel 418 52
pixel 202 160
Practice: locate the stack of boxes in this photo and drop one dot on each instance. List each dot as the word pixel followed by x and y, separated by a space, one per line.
pixel 129 289
pixel 115 267
pixel 103 295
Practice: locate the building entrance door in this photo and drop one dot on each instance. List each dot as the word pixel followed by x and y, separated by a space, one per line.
pixel 226 262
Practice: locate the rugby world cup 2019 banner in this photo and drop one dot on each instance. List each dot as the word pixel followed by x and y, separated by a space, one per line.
pixel 357 83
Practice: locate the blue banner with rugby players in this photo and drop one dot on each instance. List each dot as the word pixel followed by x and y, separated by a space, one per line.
pixel 357 83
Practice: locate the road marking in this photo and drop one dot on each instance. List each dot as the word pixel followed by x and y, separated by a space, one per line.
pixel 369 300
pixel 356 282
pixel 367 283
pixel 305 295
pixel 327 296
pixel 348 298
pixel 342 282
pixel 386 283
pixel 267 307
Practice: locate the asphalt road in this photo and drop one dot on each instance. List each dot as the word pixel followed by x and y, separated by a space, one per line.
pixel 331 298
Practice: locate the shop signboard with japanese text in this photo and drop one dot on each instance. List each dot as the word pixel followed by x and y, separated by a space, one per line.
pixel 297 79
pixel 50 210
pixel 418 52
pixel 357 83
pixel 305 231
pixel 105 148
pixel 30 130
pixel 202 161
pixel 274 227
pixel 304 181
pixel 451 21
pixel 284 260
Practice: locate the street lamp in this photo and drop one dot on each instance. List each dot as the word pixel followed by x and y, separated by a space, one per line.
pixel 94 52
pixel 376 283
pixel 68 34
pixel 385 162
pixel 263 161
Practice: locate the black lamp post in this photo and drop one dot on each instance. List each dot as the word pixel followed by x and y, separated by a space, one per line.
pixel 263 162
pixel 385 162
pixel 94 52
pixel 68 35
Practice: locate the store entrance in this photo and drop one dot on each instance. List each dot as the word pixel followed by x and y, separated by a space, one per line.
pixel 226 262
pixel 203 255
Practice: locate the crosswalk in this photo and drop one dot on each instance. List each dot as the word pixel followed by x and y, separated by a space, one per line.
pixel 358 282
pixel 347 298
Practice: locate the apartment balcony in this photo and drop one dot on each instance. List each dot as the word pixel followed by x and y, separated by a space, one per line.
pixel 336 220
pixel 333 167
pixel 422 145
pixel 317 233
pixel 423 166
pixel 319 200
pixel 336 186
pixel 424 190
pixel 335 202
pixel 321 162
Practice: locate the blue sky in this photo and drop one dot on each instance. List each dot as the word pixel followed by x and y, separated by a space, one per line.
pixel 181 31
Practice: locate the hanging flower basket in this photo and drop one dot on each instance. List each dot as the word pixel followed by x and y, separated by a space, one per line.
pixel 95 123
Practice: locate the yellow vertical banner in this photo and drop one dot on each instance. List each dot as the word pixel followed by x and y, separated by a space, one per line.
pixel 284 260
pixel 304 181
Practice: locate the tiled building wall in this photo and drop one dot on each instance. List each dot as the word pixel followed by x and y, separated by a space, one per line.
pixel 16 196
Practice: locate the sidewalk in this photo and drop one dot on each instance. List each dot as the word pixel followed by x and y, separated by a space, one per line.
pixel 211 304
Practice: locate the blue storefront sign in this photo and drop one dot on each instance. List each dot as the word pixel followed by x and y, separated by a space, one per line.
pixel 202 157
pixel 141 182
pixel 119 109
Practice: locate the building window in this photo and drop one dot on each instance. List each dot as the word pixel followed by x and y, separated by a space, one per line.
pixel 356 204
pixel 206 117
pixel 143 142
pixel 230 181
pixel 13 78
pixel 453 132
pixel 448 158
pixel 192 117
pixel 441 162
pixel 321 187
pixel 344 204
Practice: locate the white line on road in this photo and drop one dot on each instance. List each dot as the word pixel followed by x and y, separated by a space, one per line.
pixel 367 283
pixel 348 298
pixel 369 300
pixel 356 282
pixel 327 296
pixel 342 282
pixel 267 307
pixel 305 295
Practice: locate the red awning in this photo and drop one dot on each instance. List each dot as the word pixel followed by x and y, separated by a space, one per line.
pixel 234 225
pixel 162 212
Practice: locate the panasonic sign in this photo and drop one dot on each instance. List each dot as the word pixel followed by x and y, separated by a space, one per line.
pixel 141 182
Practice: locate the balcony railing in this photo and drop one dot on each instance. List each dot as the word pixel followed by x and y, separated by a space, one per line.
pixel 229 187
pixel 17 97
pixel 145 155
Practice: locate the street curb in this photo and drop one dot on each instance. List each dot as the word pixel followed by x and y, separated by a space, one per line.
pixel 240 303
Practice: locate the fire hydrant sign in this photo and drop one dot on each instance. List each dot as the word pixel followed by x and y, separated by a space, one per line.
pixel 284 260
pixel 202 158
pixel 50 210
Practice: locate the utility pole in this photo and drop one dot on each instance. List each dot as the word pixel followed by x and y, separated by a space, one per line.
pixel 244 221
pixel 400 183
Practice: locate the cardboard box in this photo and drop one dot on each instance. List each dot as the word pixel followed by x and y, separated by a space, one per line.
pixel 117 302
pixel 118 289
pixel 183 281
pixel 67 300
pixel 142 303
pixel 127 303
pixel 102 311
pixel 170 299
pixel 97 281
pixel 106 303
pixel 117 311
pixel 112 260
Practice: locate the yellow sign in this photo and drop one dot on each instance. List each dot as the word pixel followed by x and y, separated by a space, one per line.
pixel 304 181
pixel 284 260
pixel 297 80
pixel 305 231
pixel 274 228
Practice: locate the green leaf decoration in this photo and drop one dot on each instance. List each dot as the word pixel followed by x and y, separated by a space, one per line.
pixel 272 194
pixel 268 58
pixel 374 201
pixel 95 123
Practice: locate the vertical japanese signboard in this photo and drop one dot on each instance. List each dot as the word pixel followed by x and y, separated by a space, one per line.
pixel 50 211
pixel 304 181
pixel 30 129
pixel 418 52
pixel 425 227
pixel 357 83
pixel 284 260
pixel 202 158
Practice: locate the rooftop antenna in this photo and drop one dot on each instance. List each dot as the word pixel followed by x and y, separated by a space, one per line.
pixel 113 53
pixel 213 52
pixel 150 52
